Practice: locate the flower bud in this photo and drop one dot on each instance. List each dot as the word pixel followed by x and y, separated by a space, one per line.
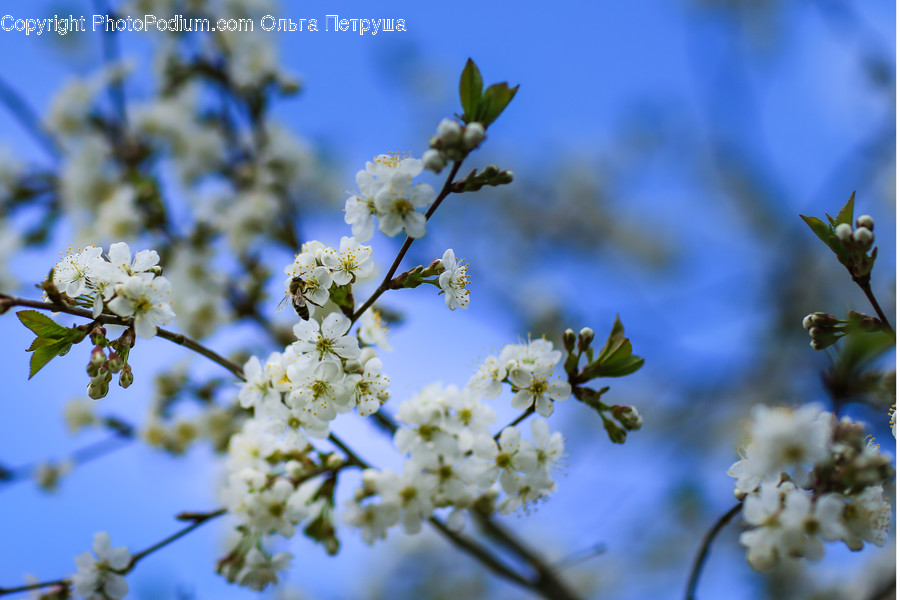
pixel 334 461
pixel 449 131
pixel 866 222
pixel 616 434
pixel 97 389
pixel 843 232
pixel 864 237
pixel 115 362
pixel 473 135
pixel 585 337
pixel 126 378
pixel 568 340
pixel 808 321
pixel 628 416
pixel 433 161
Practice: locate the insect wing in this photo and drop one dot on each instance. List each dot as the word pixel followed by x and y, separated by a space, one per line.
pixel 282 304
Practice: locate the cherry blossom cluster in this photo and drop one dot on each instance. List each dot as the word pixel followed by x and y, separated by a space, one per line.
pixel 129 288
pixel 454 461
pixel 101 578
pixel 386 191
pixel 320 267
pixel 805 477
pixel 528 369
pixel 272 469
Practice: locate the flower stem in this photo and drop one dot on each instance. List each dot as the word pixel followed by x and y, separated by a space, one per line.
pixel 386 282
pixel 703 551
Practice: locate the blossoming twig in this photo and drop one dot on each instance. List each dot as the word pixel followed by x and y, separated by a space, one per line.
pixel 386 282
pixel 7 302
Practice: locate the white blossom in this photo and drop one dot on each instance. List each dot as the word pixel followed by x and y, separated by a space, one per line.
pixel 454 281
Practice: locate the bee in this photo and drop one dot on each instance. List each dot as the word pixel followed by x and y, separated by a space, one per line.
pixel 297 294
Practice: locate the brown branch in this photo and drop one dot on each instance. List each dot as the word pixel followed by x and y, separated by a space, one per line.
pixel 866 286
pixel 703 551
pixel 7 302
pixel 386 282
pixel 527 413
pixel 198 520
pixel 547 581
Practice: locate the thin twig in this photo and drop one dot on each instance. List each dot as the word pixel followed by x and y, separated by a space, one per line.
pixel 479 553
pixel 7 302
pixel 703 551
pixel 866 286
pixel 386 282
pixel 547 583
pixel 527 413
pixel 199 519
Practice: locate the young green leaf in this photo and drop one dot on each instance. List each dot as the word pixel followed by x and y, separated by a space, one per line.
pixel 41 324
pixel 470 86
pixel 845 215
pixel 495 100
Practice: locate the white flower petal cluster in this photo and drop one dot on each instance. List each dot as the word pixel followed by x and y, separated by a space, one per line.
pixel 126 287
pixel 386 191
pixel 528 368
pixel 319 267
pixel 96 578
pixel 453 462
pixel 454 281
pixel 805 477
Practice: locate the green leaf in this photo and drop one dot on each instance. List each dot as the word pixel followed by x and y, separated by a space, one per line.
pixel 41 324
pixel 846 214
pixel 822 231
pixel 45 354
pixel 470 86
pixel 495 100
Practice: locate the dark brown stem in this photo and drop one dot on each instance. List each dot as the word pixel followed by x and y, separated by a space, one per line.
pixel 7 302
pixel 547 581
pixel 527 413
pixel 703 551
pixel 198 520
pixel 866 286
pixel 479 553
pixel 34 586
pixel 386 282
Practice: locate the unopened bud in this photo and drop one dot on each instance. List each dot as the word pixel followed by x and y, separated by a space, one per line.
pixel 433 161
pixel 97 389
pixel 628 416
pixel 864 237
pixel 449 131
pixel 334 461
pixel 585 337
pixel 126 378
pixel 115 362
pixel 843 232
pixel 568 340
pixel 473 135
pixel 616 434
pixel 504 177
pixel 808 321
pixel 866 222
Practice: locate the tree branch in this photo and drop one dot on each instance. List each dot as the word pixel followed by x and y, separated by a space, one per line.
pixel 386 282
pixel 703 551
pixel 7 302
